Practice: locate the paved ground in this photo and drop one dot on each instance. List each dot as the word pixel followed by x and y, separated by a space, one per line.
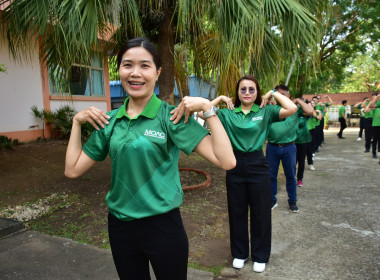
pixel 336 234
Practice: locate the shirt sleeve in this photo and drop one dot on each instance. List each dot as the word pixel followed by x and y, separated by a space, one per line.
pixel 97 146
pixel 274 113
pixel 186 136
pixel 222 115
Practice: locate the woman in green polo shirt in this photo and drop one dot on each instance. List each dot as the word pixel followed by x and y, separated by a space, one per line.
pixel 248 184
pixel 144 222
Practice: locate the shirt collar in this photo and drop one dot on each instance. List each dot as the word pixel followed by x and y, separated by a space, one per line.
pixel 150 110
pixel 254 109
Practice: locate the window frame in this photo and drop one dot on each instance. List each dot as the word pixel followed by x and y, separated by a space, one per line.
pixel 89 68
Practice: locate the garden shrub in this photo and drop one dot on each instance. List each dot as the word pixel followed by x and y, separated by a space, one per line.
pixel 7 143
pixel 61 121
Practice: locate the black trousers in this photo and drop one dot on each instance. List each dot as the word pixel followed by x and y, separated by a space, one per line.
pixel 343 125
pixel 361 127
pixel 301 155
pixel 376 139
pixel 368 133
pixel 318 136
pixel 248 186
pixel 160 240
pixel 310 147
pixel 322 132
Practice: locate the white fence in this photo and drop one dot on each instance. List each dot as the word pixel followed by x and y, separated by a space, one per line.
pixel 333 112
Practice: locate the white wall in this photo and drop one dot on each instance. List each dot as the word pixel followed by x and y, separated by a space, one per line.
pixel 20 89
pixel 78 105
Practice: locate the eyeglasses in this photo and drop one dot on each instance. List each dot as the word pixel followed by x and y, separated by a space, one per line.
pixel 251 90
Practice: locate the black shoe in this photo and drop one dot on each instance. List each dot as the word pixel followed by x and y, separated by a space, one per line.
pixel 374 156
pixel 293 207
pixel 366 151
pixel 274 204
pixel 342 137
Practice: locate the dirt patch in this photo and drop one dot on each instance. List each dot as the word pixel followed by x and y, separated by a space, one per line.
pixel 34 171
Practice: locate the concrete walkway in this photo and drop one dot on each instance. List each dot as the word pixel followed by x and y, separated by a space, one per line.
pixel 336 234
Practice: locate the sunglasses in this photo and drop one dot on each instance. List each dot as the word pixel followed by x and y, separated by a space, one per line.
pixel 251 90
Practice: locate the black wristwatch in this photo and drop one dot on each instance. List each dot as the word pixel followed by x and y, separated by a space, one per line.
pixel 212 112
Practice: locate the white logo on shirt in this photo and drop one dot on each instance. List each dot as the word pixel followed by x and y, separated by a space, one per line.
pixel 257 118
pixel 155 134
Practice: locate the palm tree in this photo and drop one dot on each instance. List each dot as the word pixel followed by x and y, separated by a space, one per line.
pixel 223 35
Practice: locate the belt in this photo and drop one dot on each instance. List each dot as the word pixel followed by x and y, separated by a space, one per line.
pixel 283 144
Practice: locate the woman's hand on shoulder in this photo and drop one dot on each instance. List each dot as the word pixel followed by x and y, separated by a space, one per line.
pixel 228 101
pixel 92 115
pixel 188 106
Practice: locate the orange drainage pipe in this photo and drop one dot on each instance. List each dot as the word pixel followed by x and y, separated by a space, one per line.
pixel 204 184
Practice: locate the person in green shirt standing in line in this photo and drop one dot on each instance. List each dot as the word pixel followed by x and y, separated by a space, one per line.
pixel 247 124
pixel 368 124
pixel 342 119
pixel 312 122
pixel 143 140
pixel 319 134
pixel 361 115
pixel 281 147
pixel 374 106
pixel 302 140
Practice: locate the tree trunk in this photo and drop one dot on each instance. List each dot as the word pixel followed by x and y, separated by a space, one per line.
pixel 166 54
pixel 291 69
pixel 211 83
pixel 217 83
pixel 242 65
pixel 184 79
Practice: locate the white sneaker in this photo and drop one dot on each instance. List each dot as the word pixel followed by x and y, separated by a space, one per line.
pixel 238 263
pixel 311 167
pixel 258 267
pixel 359 139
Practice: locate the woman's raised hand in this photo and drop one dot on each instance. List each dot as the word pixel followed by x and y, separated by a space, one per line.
pixel 228 101
pixel 265 99
pixel 188 106
pixel 92 115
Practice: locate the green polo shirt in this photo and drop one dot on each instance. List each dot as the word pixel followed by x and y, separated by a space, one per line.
pixel 285 131
pixel 361 112
pixel 321 108
pixel 310 123
pixel 313 122
pixel 144 153
pixel 375 115
pixel 342 111
pixel 369 114
pixel 248 132
pixel 303 134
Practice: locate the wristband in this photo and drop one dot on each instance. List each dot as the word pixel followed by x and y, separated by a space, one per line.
pixel 212 112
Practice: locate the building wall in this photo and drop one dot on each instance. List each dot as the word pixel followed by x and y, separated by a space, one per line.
pixel 20 89
pixel 26 84
pixel 78 105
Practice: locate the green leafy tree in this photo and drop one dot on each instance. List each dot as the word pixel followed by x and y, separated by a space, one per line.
pixel 364 73
pixel 220 35
pixel 345 29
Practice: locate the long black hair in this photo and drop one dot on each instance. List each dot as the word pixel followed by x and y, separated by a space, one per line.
pixel 253 79
pixel 139 42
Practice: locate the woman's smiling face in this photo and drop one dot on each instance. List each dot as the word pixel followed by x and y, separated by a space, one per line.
pixel 247 92
pixel 138 73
